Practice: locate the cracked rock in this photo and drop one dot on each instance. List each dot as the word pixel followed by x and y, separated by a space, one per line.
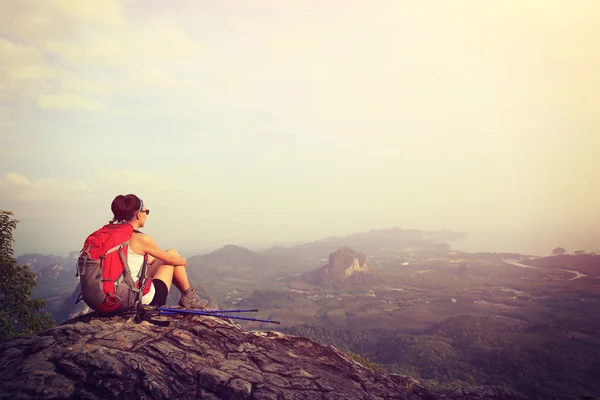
pixel 195 357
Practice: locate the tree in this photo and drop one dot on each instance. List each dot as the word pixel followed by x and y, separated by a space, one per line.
pixel 20 314
pixel 558 251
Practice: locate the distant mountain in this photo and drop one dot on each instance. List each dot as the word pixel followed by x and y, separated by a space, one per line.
pixel 374 242
pixel 393 235
pixel 231 257
pixel 343 264
pixel 53 274
pixel 37 262
pixel 228 261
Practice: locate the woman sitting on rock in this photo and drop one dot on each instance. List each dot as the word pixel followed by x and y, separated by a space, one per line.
pixel 165 267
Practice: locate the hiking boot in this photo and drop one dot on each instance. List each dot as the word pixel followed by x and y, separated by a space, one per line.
pixel 189 300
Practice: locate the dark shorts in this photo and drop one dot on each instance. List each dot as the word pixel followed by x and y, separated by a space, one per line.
pixel 160 293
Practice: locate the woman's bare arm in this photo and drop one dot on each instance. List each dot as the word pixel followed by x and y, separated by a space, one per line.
pixel 154 251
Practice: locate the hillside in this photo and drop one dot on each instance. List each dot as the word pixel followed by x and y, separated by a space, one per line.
pixel 195 357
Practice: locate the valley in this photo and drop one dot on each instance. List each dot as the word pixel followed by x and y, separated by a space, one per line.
pixel 413 306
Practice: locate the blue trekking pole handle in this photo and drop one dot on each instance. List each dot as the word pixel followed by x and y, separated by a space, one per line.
pixel 204 311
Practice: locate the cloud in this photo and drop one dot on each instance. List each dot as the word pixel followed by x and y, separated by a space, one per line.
pixel 68 102
pixel 14 54
pixel 129 178
pixel 5 120
pixel 30 21
pixel 71 56
pixel 19 65
pixel 17 187
pixel 27 78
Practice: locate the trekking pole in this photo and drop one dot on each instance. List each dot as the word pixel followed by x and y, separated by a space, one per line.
pixel 228 316
pixel 244 318
pixel 209 314
pixel 167 309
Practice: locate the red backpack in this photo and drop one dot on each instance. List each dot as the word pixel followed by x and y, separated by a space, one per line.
pixel 107 286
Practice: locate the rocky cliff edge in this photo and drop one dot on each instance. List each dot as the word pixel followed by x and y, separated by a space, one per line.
pixel 196 357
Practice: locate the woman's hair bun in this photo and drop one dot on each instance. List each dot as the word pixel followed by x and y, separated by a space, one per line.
pixel 124 207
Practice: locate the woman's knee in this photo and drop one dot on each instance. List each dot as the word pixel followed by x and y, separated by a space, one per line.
pixel 172 251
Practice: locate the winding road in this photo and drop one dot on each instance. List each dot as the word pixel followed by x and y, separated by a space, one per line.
pixel 518 264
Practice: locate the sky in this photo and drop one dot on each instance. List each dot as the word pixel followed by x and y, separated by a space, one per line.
pixel 266 121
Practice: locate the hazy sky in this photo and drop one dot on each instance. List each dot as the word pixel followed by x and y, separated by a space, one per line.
pixel 270 120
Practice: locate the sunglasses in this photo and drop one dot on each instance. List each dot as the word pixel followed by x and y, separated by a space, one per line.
pixel 146 211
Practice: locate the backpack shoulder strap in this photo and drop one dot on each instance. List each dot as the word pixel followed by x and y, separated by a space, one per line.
pixel 127 272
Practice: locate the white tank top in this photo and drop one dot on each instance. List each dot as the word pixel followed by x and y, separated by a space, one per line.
pixel 135 262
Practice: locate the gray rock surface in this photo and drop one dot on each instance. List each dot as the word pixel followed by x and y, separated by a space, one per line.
pixel 196 357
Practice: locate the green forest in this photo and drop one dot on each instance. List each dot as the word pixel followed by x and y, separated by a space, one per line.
pixel 536 361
